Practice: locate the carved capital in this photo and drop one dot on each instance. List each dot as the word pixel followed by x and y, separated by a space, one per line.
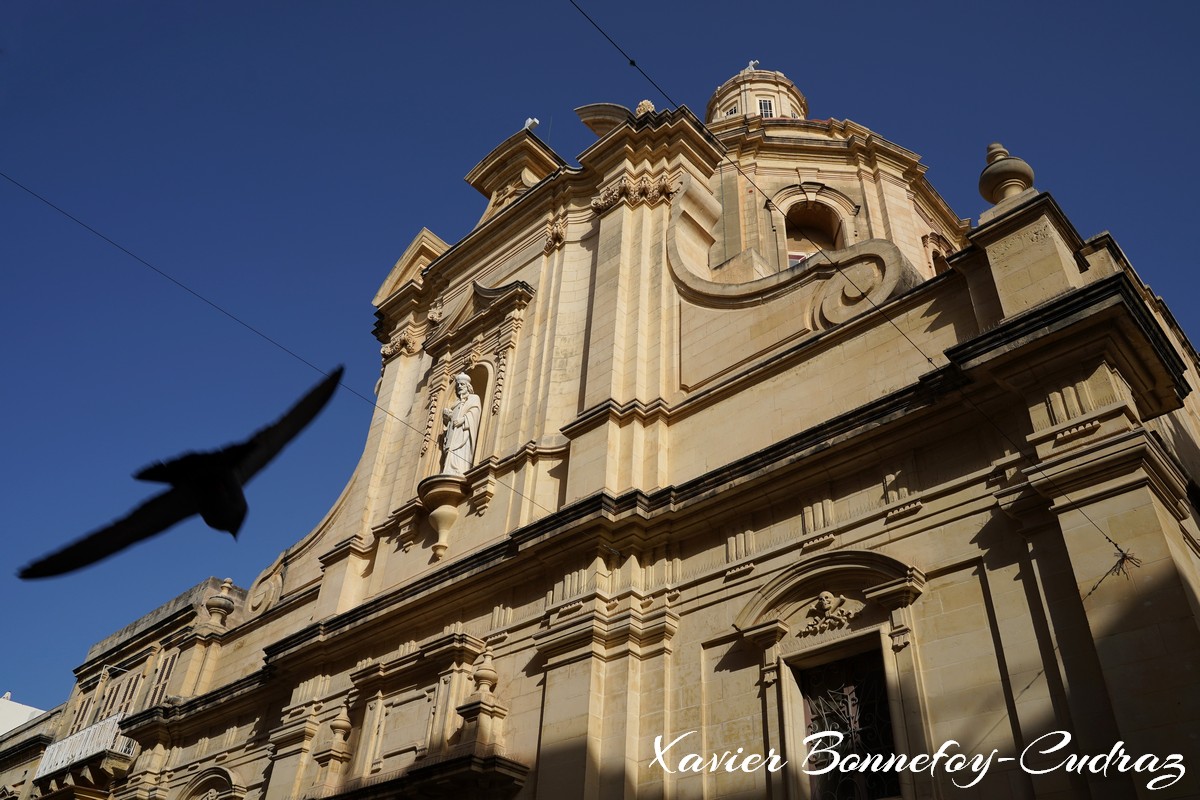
pixel 402 341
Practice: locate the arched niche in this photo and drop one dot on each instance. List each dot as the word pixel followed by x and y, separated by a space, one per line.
pixel 479 337
pixel 480 373
pixel 812 218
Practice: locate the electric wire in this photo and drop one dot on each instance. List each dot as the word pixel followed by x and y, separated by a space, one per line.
pixel 628 57
pixel 1124 557
pixel 235 318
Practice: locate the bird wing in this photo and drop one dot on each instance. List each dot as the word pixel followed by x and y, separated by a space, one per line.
pixel 257 451
pixel 152 517
pixel 180 469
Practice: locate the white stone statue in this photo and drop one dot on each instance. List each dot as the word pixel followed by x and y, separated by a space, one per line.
pixel 462 424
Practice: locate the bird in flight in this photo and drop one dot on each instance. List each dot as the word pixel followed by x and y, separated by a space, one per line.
pixel 208 484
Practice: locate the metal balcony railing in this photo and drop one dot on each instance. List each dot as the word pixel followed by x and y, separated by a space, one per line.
pixel 102 737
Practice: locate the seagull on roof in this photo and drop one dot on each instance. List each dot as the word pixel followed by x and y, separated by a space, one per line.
pixel 207 483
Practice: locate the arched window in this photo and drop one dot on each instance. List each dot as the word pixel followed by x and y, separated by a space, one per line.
pixel 811 228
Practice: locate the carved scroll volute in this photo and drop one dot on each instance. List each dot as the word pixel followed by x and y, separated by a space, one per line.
pixel 897 596
pixel 767 636
pixel 694 214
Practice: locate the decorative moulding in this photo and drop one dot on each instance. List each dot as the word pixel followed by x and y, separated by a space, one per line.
pixel 403 341
pixel 634 191
pixel 903 510
pixel 556 233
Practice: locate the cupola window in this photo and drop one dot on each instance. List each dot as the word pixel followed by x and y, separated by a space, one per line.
pixel 811 228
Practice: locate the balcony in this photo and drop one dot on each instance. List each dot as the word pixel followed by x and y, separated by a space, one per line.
pixel 100 748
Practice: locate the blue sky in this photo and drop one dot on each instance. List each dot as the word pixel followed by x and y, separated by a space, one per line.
pixel 278 157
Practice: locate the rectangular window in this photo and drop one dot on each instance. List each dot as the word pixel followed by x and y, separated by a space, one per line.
pixel 81 715
pixel 119 695
pixel 158 689
pixel 731 110
pixel 766 107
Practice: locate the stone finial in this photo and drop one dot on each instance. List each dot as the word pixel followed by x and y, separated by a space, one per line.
pixel 1004 176
pixel 485 674
pixel 220 605
pixel 644 107
pixel 340 725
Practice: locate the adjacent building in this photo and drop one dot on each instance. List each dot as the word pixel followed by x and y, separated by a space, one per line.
pixel 731 436
pixel 13 714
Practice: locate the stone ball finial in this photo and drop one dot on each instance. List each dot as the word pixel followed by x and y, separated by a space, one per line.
pixel 220 605
pixel 1004 176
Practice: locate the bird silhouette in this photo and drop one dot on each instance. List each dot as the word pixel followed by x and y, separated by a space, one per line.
pixel 208 484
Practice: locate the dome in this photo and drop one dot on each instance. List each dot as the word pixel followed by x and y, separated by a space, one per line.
pixel 756 92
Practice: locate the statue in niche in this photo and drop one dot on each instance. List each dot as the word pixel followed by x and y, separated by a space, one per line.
pixel 462 424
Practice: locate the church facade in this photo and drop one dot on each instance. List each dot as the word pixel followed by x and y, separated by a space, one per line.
pixel 730 463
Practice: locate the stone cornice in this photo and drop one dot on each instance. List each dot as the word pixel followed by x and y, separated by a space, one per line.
pixel 1105 241
pixel 521 152
pixel 434 655
pixel 677 131
pixel 612 411
pixel 1109 467
pixel 1113 302
pixel 25 749
pixel 154 723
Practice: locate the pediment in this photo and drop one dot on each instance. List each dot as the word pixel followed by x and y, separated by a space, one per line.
pixel 832 595
pixel 482 308
pixel 425 248
pixel 862 576
pixel 517 164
